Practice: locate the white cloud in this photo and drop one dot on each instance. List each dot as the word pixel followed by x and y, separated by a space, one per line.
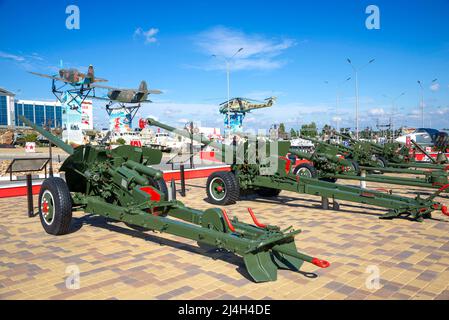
pixel 149 35
pixel 29 62
pixel 377 112
pixel 259 52
pixel 435 87
pixel 335 119
pixel 13 57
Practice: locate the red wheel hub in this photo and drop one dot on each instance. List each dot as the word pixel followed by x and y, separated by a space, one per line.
pixel 45 207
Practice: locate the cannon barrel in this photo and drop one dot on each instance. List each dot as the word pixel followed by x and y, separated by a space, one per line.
pixel 140 168
pixel 302 154
pixel 328 157
pixel 196 137
pixel 52 138
pixel 377 146
pixel 316 141
pixel 344 136
pixel 423 150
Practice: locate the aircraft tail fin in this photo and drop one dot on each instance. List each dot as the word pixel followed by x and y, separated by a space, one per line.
pixel 90 72
pixel 143 86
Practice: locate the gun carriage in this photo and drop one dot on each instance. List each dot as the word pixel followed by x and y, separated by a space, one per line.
pixel 262 167
pixel 120 184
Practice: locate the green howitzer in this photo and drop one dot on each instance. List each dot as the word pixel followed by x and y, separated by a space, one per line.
pixel 374 147
pixel 377 155
pixel 120 185
pixel 330 169
pixel 267 178
pixel 326 165
pixel 325 162
pixel 394 155
pixel 359 153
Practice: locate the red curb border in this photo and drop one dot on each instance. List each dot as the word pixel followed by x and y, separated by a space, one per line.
pixel 20 191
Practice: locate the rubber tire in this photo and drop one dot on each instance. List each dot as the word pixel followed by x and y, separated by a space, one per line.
pixel 268 192
pixel 231 185
pixel 62 206
pixel 356 167
pixel 161 186
pixel 307 166
pixel 383 160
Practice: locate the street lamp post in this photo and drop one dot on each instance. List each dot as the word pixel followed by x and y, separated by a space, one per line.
pixel 422 100
pixel 356 75
pixel 228 64
pixel 393 110
pixel 337 101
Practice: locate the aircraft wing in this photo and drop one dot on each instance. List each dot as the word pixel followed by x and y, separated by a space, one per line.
pixel 99 98
pixel 94 85
pixel 48 76
pixel 100 80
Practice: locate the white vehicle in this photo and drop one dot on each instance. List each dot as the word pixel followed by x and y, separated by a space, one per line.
pixel 301 143
pixel 129 136
pixel 165 142
pixel 423 136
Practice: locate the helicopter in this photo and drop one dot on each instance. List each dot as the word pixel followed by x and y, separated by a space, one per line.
pixel 244 105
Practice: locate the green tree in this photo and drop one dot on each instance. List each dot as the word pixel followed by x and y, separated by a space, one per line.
pixel 326 129
pixel 31 137
pixel 293 133
pixel 309 130
pixel 281 129
pixel 120 141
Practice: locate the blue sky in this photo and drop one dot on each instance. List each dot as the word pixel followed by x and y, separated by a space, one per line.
pixel 291 48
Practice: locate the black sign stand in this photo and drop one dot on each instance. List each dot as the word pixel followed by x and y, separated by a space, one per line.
pixel 28 165
pixel 30 196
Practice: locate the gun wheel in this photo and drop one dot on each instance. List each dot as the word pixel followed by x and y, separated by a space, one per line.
pixel 306 170
pixel 354 168
pixel 161 186
pixel 382 162
pixel 222 188
pixel 55 206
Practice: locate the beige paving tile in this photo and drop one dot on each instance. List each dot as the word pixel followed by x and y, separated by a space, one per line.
pixel 119 263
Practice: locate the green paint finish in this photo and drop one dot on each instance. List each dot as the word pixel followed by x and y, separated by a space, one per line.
pixel 120 185
pixel 329 163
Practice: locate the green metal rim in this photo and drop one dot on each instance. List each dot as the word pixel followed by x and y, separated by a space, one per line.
pixel 380 163
pixel 304 172
pixel 47 207
pixel 217 189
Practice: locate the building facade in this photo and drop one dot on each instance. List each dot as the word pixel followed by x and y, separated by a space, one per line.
pixel 40 112
pixel 6 108
pixel 49 113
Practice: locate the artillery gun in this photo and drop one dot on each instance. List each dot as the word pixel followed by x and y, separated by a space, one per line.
pixel 359 153
pixel 330 168
pixel 394 155
pixel 260 166
pixel 386 153
pixel 329 165
pixel 120 185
